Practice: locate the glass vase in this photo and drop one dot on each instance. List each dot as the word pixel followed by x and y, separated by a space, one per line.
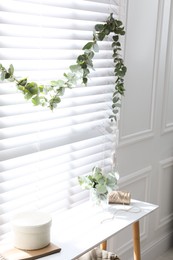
pixel 98 199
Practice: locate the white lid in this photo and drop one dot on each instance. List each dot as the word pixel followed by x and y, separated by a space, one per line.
pixel 31 220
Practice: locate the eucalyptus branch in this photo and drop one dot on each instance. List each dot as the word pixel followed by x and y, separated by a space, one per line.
pixel 49 95
pixel 102 183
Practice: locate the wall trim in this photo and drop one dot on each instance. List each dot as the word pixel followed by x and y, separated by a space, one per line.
pixel 165 220
pixel 157 247
pixel 135 137
pixel 167 126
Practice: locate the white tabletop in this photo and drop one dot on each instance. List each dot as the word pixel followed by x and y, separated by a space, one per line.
pixel 78 230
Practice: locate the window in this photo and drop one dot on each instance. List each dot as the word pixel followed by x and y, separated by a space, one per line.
pixel 43 152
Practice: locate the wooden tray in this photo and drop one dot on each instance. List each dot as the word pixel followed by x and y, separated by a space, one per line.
pixel 18 254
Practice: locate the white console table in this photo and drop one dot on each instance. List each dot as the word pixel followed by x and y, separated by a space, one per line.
pixel 84 227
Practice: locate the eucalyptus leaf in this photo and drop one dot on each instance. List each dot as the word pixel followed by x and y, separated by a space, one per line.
pixel 85 80
pixel 3 75
pixel 115 38
pixel 41 88
pixel 74 68
pixel 22 82
pixel 11 69
pixel 101 36
pixel 99 27
pixel 88 46
pixel 116 105
pixel 115 99
pixel 32 88
pixel 36 100
pixel 28 95
pixel 115 111
pixel 7 75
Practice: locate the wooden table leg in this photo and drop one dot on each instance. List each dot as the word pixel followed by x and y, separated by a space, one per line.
pixel 103 245
pixel 136 241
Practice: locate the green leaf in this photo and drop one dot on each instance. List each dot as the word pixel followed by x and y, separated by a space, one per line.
pixel 115 93
pixel 113 117
pixel 28 95
pixel 117 44
pixel 101 188
pixel 115 111
pixel 119 73
pixel 74 68
pixel 115 55
pixel 54 101
pixel 36 100
pixel 86 72
pixel 3 75
pixel 61 91
pixel 115 38
pixel 7 75
pixel 122 32
pixel 120 88
pixel 32 88
pixel 99 27
pixel 118 66
pixel 88 46
pixel 58 83
pixel 85 80
pixel 116 105
pixel 22 82
pixel 11 69
pixel 124 69
pixel 119 23
pixel 81 59
pixel 41 88
pixel 84 65
pixel 101 36
pixel 107 31
pixel 115 99
pixel 119 31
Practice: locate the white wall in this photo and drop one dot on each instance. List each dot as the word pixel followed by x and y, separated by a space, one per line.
pixel 145 154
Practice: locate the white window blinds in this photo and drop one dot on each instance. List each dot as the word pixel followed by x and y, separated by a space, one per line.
pixel 43 152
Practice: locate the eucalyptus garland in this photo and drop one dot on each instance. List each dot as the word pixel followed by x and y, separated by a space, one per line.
pixel 49 95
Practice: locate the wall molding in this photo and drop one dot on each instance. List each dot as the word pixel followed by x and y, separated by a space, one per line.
pixel 148 132
pixel 136 176
pixel 135 137
pixel 167 126
pixel 162 166
pixel 156 248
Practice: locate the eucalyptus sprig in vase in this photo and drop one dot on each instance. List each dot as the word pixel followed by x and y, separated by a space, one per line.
pixel 99 183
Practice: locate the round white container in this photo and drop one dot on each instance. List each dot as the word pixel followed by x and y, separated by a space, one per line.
pixel 31 230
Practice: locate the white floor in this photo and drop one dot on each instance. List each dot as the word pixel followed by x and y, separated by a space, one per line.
pixel 167 255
